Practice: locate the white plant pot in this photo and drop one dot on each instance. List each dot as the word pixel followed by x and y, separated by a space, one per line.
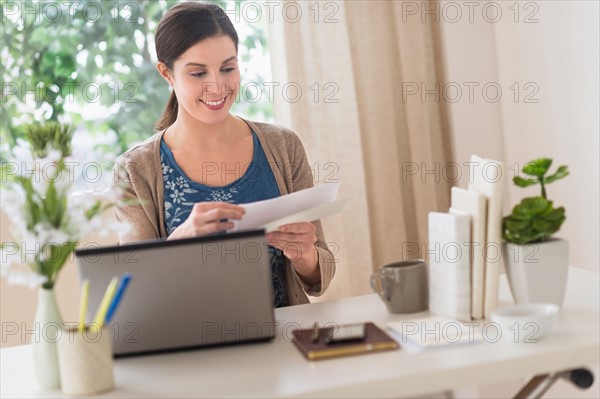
pixel 537 272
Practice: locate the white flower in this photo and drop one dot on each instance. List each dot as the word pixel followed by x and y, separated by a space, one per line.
pixel 18 258
pixel 24 277
pixel 52 157
pixel 63 184
pixel 177 196
pixel 4 148
pixel 49 235
pixel 91 226
pixel 9 254
pixel 78 226
pixel 12 199
pixel 31 246
pixel 104 193
pixel 117 227
pixel 40 183
pixel 22 156
pixel 170 185
pixel 81 200
pixel 181 182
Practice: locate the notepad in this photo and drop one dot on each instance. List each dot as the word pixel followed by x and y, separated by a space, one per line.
pixel 375 340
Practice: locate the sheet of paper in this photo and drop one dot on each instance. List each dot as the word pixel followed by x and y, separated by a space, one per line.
pixel 416 335
pixel 318 212
pixel 292 206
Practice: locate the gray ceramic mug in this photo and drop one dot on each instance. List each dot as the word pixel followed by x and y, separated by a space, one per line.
pixel 404 286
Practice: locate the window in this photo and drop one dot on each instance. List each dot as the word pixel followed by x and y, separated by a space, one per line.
pixel 93 64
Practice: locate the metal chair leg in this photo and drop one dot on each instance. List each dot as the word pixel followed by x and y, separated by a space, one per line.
pixel 538 385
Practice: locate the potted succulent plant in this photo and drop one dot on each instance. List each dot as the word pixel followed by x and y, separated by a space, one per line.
pixel 536 261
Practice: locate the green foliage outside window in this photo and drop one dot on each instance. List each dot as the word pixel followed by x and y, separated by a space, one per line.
pixel 92 64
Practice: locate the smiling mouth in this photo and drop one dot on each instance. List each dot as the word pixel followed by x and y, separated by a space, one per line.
pixel 215 103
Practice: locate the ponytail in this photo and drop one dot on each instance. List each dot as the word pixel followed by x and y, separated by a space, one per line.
pixel 170 114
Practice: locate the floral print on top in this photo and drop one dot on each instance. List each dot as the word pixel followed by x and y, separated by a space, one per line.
pixel 258 183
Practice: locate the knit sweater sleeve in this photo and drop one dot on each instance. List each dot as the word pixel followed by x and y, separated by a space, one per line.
pixel 302 178
pixel 133 204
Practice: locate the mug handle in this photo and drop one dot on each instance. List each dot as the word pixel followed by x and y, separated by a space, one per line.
pixel 382 294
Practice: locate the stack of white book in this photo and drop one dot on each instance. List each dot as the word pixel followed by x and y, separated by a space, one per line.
pixel 465 246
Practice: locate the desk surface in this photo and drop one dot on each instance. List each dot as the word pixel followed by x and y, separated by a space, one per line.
pixel 277 369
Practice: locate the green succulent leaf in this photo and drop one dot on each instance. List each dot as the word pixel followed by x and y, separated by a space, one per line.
pixel 533 220
pixel 515 224
pixel 521 182
pixel 560 173
pixel 531 207
pixel 537 167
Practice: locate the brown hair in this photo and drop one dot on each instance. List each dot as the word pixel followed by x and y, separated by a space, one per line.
pixel 180 28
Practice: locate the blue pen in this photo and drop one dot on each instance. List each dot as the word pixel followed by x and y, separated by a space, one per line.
pixel 117 298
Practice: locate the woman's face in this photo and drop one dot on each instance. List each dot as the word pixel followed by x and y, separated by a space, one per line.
pixel 206 79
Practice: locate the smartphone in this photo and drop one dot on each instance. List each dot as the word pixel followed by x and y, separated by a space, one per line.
pixel 346 333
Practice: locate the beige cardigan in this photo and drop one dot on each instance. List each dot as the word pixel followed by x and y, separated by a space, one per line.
pixel 139 171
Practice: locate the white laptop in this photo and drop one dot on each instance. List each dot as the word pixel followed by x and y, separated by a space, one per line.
pixel 187 293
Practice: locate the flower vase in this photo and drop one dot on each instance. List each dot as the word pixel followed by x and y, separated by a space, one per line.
pixel 48 326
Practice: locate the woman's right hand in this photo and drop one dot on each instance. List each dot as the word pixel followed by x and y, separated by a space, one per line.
pixel 206 218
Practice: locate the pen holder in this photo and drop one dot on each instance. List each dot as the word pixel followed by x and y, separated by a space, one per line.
pixel 86 361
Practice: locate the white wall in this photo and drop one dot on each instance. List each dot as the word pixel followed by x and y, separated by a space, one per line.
pixel 558 57
pixel 558 54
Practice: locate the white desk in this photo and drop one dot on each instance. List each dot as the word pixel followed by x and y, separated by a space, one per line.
pixel 277 369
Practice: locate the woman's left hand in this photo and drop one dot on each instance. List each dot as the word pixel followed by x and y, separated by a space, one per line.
pixel 297 241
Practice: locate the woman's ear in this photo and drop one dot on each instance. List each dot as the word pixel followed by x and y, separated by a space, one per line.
pixel 165 72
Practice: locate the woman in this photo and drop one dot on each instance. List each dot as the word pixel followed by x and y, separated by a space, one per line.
pixel 187 178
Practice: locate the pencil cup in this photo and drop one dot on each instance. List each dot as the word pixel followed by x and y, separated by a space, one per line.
pixel 86 361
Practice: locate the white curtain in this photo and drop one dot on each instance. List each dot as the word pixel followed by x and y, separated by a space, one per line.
pixel 354 62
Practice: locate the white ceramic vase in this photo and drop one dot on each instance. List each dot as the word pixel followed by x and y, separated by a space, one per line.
pixel 537 272
pixel 48 326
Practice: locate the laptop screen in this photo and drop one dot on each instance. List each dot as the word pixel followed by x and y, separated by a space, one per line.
pixel 186 293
